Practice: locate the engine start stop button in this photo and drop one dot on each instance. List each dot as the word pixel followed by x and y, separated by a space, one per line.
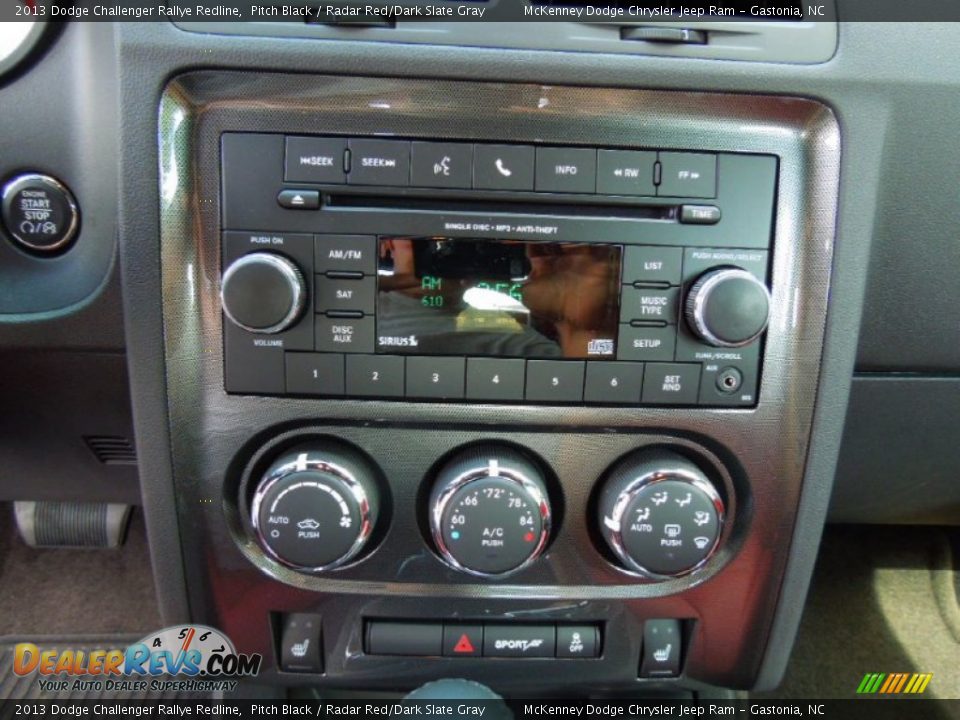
pixel 40 213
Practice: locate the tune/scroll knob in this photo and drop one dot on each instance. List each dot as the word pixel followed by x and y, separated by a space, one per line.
pixel 660 514
pixel 728 307
pixel 490 511
pixel 263 292
pixel 316 506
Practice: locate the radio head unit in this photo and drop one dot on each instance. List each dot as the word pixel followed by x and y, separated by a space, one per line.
pixel 360 268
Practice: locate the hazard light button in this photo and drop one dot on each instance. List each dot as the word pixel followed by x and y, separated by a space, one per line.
pixel 462 640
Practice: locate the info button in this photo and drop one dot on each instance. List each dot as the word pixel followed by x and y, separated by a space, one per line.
pixel 571 170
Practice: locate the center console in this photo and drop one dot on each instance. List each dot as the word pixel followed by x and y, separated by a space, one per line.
pixel 490 375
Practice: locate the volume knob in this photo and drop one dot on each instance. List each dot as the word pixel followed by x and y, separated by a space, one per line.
pixel 728 307
pixel 262 292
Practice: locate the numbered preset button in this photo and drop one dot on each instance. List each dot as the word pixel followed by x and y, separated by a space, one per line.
pixel 435 377
pixel 555 381
pixel 614 383
pixel 375 375
pixel 314 373
pixel 495 379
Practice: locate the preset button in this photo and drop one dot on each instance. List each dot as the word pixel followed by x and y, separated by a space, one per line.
pixel 618 383
pixel 495 379
pixel 375 375
pixel 435 377
pixel 314 373
pixel 555 381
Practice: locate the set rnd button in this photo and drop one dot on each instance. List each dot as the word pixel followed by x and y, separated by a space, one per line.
pixel 671 383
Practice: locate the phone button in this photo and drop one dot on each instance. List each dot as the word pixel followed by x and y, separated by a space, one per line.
pixel 503 167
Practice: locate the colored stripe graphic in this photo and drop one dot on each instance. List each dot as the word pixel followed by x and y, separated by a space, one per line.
pixel 922 681
pixel 894 683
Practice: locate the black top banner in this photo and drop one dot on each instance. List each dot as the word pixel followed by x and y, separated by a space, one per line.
pixel 448 709
pixel 381 12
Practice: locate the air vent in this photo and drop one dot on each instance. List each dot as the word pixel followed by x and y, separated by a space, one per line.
pixel 111 449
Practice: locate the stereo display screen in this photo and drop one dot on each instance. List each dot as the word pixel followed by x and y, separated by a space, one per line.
pixel 500 298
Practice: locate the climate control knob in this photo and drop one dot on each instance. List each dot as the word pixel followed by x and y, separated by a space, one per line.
pixel 490 511
pixel 316 506
pixel 263 292
pixel 660 514
pixel 728 307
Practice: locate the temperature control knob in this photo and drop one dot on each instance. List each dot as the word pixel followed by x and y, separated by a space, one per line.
pixel 316 506
pixel 728 307
pixel 489 511
pixel 262 292
pixel 660 514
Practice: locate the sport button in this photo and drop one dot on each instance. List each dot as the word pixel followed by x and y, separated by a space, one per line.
pixel 523 641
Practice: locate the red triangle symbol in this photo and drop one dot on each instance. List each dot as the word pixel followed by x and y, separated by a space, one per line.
pixel 463 645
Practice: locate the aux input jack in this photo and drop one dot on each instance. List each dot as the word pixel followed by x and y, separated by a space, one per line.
pixel 729 380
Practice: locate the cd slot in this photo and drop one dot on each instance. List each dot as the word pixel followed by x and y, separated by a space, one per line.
pixel 386 203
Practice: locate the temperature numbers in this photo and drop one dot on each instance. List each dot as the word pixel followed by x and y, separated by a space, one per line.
pixel 492 525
